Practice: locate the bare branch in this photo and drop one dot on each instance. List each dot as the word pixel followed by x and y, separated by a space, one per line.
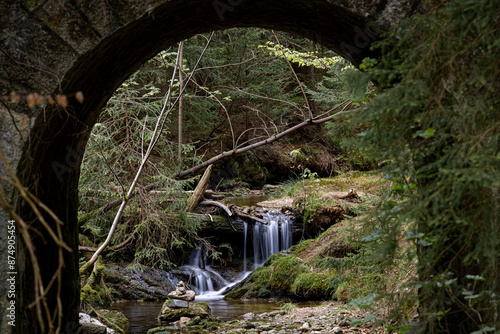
pixel 228 65
pixel 156 134
pixel 218 204
pixel 264 97
pixel 268 140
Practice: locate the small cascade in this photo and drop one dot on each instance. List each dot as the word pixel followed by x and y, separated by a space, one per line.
pixel 203 279
pixel 198 257
pixel 245 227
pixel 268 240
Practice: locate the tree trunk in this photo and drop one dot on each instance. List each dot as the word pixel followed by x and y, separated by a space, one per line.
pixel 63 297
pixel 199 191
pixel 181 85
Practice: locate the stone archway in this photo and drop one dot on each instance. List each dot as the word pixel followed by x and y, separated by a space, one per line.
pixel 56 46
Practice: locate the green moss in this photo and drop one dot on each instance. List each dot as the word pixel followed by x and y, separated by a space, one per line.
pixel 206 324
pixel 159 330
pixel 236 294
pixel 114 319
pixel 312 285
pixel 263 292
pixel 89 295
pixel 302 246
pixel 283 272
pixel 275 278
pixel 96 293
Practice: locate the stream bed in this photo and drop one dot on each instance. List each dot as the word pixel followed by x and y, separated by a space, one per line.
pixel 143 315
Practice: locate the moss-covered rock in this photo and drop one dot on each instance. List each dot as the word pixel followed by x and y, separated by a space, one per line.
pixel 207 324
pixel 310 270
pixel 95 292
pixel 126 282
pixel 243 170
pixel 159 330
pixel 92 329
pixel 114 319
pixel 313 285
pixel 168 314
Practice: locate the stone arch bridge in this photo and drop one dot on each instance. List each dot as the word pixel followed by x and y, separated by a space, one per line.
pixel 54 47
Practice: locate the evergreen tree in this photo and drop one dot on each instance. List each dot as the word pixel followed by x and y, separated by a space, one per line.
pixel 437 124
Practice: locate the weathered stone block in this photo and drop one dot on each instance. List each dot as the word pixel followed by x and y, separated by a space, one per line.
pixel 178 303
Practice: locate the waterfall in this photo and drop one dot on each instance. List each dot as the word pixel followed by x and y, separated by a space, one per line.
pixel 245 226
pixel 267 239
pixel 203 279
pixel 198 257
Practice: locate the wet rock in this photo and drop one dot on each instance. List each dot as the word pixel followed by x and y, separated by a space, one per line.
pixel 265 327
pixel 137 282
pixel 114 319
pixel 270 188
pixel 277 312
pixel 168 314
pixel 343 320
pixel 86 320
pixel 92 329
pixel 207 324
pixel 249 315
pixel 178 303
pixel 248 325
pixel 183 321
pixel 159 330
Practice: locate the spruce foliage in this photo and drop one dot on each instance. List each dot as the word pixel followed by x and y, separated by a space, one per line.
pixel 437 124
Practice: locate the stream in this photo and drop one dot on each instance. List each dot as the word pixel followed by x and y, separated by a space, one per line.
pixel 260 241
pixel 142 315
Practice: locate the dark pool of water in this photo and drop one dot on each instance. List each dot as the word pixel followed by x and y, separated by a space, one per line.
pixel 251 200
pixel 143 315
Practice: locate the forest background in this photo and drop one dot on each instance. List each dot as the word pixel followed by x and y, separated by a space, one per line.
pixel 434 122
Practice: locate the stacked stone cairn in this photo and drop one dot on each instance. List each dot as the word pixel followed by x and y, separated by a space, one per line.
pixel 181 305
pixel 181 296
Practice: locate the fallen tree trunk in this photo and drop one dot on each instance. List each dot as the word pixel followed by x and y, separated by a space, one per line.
pixel 267 141
pixel 199 190
pixel 218 204
pixel 244 215
pixel 222 156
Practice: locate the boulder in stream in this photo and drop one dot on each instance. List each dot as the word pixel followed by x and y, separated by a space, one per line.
pixel 169 314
